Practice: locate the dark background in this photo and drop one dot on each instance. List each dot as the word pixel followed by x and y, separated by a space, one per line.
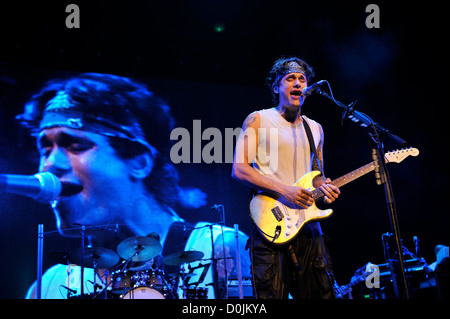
pixel 397 73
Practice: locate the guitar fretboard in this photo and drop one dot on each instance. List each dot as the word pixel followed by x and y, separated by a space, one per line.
pixel 347 178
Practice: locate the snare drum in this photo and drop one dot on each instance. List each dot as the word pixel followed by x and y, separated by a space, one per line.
pixel 143 293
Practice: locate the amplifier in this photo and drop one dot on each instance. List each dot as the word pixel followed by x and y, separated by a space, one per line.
pixel 247 288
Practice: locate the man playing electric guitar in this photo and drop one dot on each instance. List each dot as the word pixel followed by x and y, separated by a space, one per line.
pixel 272 153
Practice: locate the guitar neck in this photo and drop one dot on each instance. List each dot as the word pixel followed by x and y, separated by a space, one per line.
pixel 345 179
pixel 344 290
pixel 357 173
pixel 394 156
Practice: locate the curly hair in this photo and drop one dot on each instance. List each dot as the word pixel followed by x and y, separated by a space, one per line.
pixel 125 102
pixel 280 67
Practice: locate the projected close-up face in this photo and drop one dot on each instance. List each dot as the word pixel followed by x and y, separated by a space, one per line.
pixel 88 160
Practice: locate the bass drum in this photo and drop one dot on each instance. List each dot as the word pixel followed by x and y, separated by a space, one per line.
pixel 143 293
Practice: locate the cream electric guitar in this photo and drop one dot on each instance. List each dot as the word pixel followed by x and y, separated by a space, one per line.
pixel 279 221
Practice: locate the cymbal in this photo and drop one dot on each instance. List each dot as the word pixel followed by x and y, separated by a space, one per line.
pixel 139 248
pixel 181 257
pixel 95 257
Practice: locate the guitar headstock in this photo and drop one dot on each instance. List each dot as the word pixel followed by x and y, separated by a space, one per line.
pixel 399 155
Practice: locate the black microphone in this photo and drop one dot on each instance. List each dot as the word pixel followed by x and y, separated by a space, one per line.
pixel 70 291
pixel 96 285
pixel 43 187
pixel 309 89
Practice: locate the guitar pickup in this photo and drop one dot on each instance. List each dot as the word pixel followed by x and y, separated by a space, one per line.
pixel 276 211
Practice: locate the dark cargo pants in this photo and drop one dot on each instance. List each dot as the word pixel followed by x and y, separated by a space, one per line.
pixel 301 267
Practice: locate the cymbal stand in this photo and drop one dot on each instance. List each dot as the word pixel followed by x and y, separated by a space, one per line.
pixel 122 268
pixel 183 280
pixel 171 292
pixel 126 262
pixel 95 267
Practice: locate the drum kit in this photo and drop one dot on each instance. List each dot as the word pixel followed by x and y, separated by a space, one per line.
pixel 123 280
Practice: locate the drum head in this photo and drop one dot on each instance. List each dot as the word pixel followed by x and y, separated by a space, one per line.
pixel 143 293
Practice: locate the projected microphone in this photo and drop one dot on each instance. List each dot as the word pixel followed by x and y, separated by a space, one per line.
pixel 43 187
pixel 308 90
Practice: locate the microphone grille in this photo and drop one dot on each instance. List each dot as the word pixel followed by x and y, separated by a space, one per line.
pixel 50 187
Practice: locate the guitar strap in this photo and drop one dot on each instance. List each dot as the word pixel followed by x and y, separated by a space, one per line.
pixel 311 142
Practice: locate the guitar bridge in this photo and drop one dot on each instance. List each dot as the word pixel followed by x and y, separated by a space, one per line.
pixel 276 211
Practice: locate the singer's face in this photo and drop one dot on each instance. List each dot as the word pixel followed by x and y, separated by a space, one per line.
pixel 289 90
pixel 87 159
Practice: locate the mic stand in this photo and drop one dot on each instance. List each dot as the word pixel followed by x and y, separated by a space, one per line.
pixel 83 228
pixel 40 254
pixel 366 121
pixel 214 264
pixel 238 261
pixel 222 222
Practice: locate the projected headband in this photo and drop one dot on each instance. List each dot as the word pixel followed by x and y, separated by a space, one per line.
pixel 61 111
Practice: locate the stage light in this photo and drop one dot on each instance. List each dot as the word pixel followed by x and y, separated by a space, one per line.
pixel 219 27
